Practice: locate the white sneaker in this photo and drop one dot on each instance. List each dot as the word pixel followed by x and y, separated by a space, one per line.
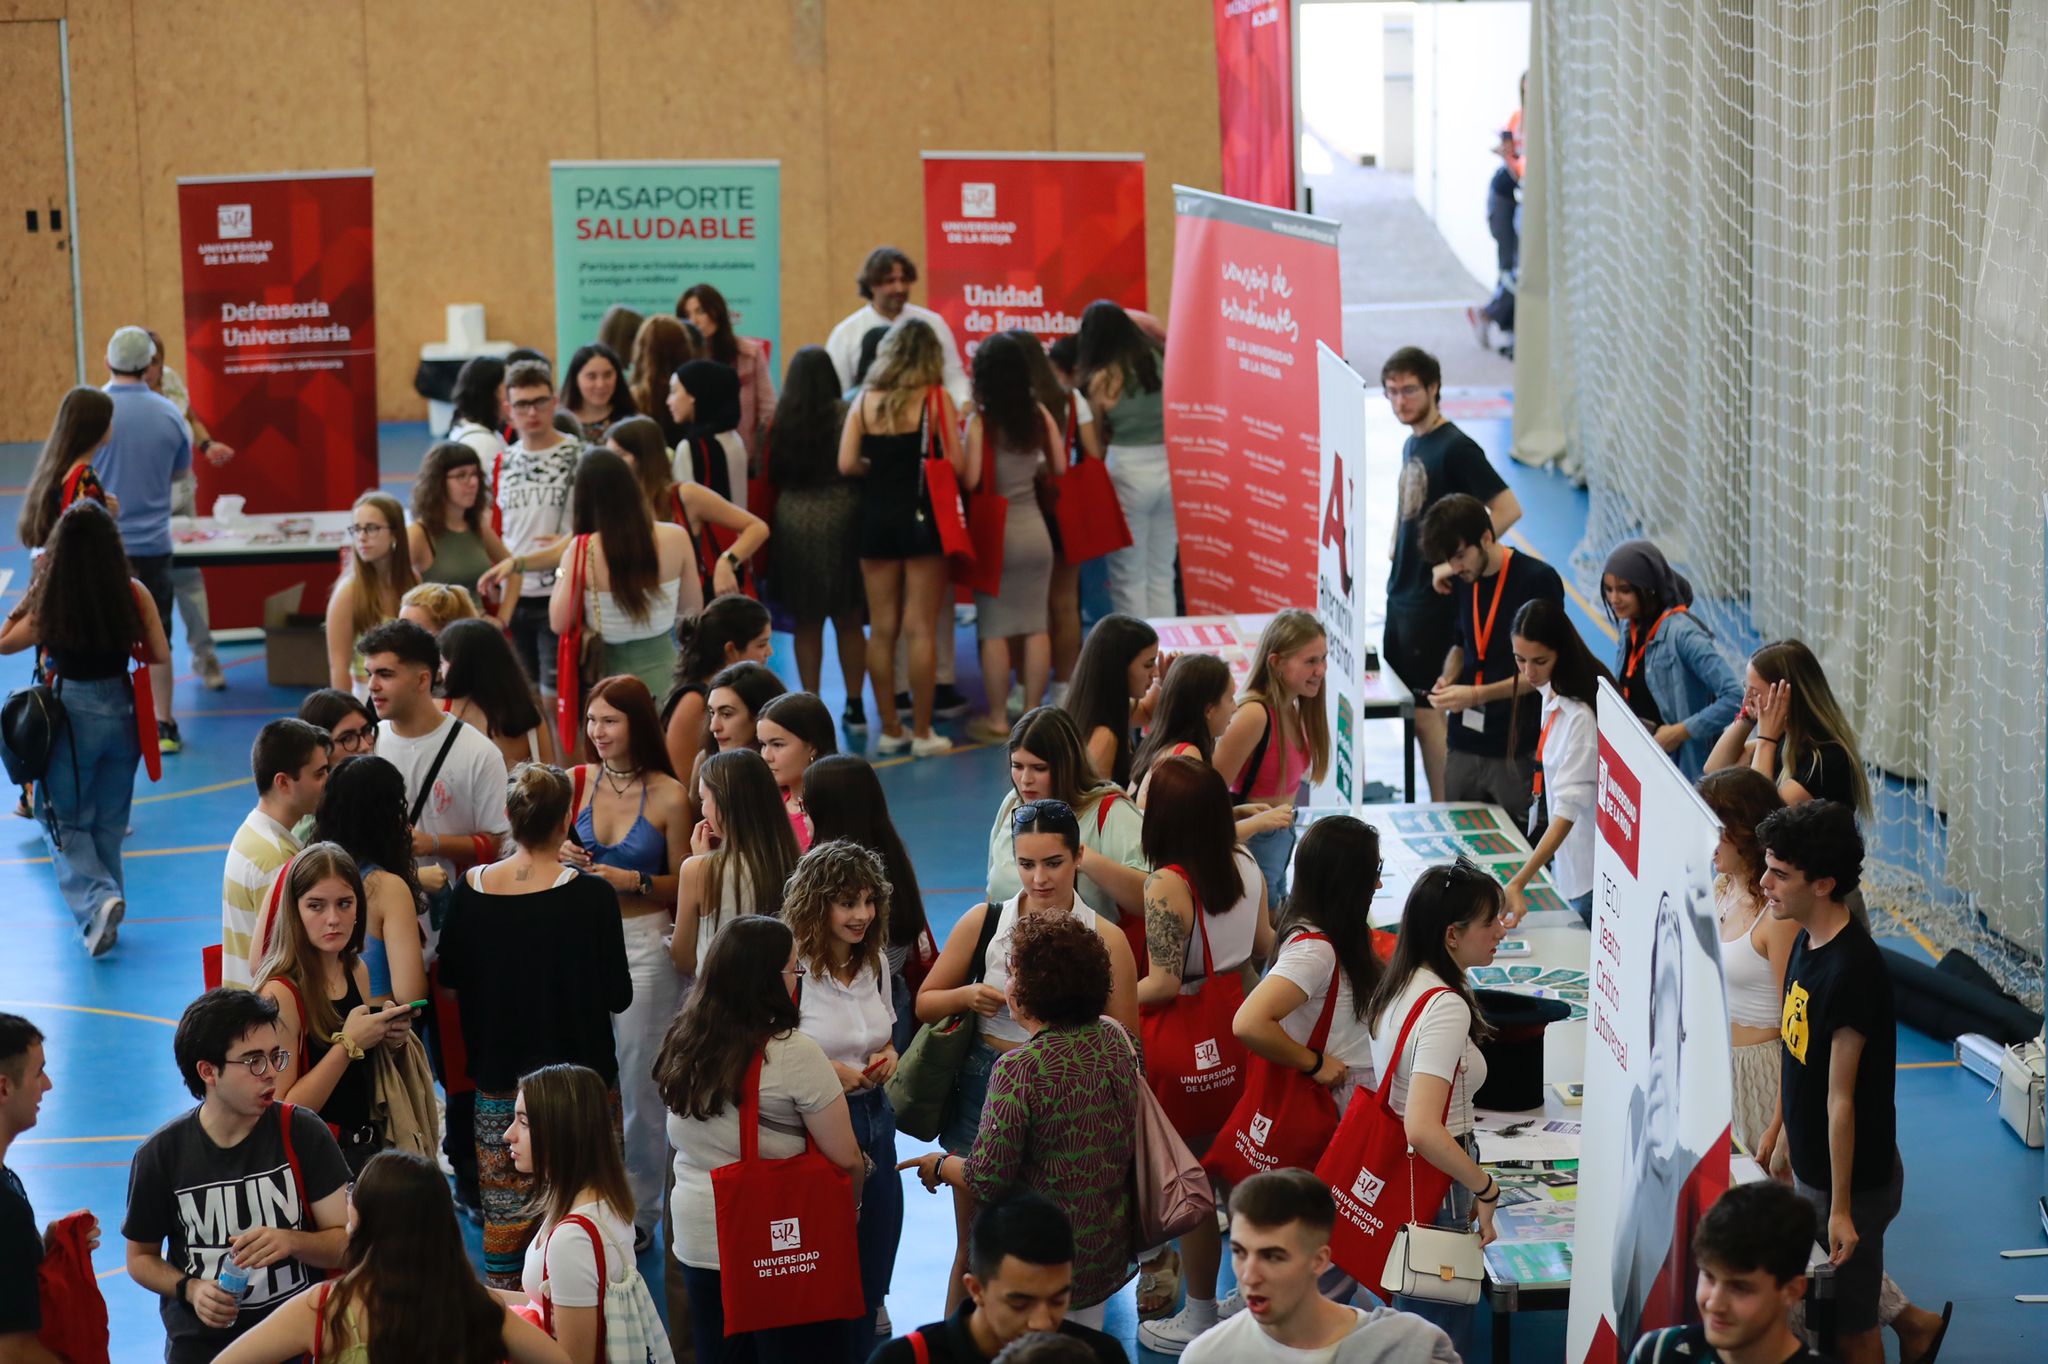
pixel 210 673
pixel 1171 1335
pixel 931 745
pixel 1230 1304
pixel 104 927
pixel 893 743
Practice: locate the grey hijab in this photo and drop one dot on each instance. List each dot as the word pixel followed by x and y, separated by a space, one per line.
pixel 1642 565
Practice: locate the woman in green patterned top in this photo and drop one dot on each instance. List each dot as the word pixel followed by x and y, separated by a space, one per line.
pixel 1059 1120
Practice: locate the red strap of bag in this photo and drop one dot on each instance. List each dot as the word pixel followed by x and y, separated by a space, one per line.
pixel 144 692
pixel 497 485
pixel 1200 926
pixel 920 1351
pixel 547 1301
pixel 568 688
pixel 267 923
pixel 1319 1035
pixel 1386 1089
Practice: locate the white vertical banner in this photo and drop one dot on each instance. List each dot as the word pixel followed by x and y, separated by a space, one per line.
pixel 1340 394
pixel 1659 1082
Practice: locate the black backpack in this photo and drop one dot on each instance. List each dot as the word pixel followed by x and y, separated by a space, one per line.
pixel 29 723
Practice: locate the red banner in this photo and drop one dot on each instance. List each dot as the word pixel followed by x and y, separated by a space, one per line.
pixel 1255 99
pixel 281 355
pixel 1254 290
pixel 1030 239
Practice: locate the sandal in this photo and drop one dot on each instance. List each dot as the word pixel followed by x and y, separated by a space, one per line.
pixel 1159 1285
pixel 1948 1310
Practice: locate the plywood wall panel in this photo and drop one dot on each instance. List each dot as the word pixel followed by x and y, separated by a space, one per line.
pixel 468 101
pixel 106 140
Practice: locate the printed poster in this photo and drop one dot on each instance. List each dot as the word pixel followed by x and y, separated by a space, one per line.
pixel 1340 571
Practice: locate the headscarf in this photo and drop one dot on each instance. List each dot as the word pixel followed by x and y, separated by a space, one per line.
pixel 1642 565
pixel 715 389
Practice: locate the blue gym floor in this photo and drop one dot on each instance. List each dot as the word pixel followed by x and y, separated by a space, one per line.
pixel 1971 1187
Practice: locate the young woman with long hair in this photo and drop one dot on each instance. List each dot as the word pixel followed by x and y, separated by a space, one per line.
pixel 594 390
pixel 536 956
pixel 662 346
pixel 704 308
pixel 405 1288
pixel 1553 661
pixel 1120 370
pixel 1665 664
pixel 483 686
pixel 843 799
pixel 1197 697
pixel 63 472
pixel 480 412
pixel 630 829
pixel 348 720
pixel 741 853
pixel 363 812
pixel 1450 924
pixel 741 1011
pixel 691 506
pixel 1046 854
pixel 1078 434
pixel 562 1136
pixel 1190 837
pixel 814 572
pixel 1755 947
pixel 1047 763
pixel 704 401
pixel 451 540
pixel 435 606
pixel 794 730
pixel 373 589
pixel 901 414
pixel 837 907
pixel 1280 736
pixel 730 629
pixel 1793 730
pixel 315 975
pixel 1116 690
pixel 1012 444
pixel 90 618
pixel 733 706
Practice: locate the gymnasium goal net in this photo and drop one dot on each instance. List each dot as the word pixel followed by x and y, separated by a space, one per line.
pixel 1798 285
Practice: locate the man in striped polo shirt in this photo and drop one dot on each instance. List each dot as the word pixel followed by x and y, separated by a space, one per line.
pixel 289 759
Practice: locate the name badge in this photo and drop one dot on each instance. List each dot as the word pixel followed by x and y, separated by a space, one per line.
pixel 1475 719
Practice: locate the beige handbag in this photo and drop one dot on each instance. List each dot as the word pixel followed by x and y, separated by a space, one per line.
pixel 1439 1264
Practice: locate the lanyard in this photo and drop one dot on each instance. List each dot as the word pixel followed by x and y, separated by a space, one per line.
pixel 1482 635
pixel 1635 658
pixel 1542 739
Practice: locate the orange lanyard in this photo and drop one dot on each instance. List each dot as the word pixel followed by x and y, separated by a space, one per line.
pixel 1481 635
pixel 1542 739
pixel 1635 658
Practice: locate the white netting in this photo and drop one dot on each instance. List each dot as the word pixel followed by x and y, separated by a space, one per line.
pixel 1797 260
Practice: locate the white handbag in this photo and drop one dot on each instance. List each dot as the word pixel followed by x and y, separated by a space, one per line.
pixel 1437 1263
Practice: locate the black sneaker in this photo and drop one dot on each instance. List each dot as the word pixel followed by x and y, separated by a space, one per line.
pixel 948 703
pixel 855 716
pixel 167 738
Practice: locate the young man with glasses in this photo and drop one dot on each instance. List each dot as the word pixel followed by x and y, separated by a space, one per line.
pixel 289 760
pixel 227 1179
pixel 532 493
pixel 1437 459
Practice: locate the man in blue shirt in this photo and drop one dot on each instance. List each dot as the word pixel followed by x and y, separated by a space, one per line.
pixel 150 445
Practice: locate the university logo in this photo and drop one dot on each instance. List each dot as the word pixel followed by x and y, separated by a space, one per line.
pixel 1262 1127
pixel 786 1234
pixel 1366 1188
pixel 233 221
pixel 978 200
pixel 1207 1055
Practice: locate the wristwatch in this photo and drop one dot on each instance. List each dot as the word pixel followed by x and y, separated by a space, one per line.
pixel 646 884
pixel 732 559
pixel 179 1292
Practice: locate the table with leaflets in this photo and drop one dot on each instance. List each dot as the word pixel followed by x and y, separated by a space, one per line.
pixel 316 537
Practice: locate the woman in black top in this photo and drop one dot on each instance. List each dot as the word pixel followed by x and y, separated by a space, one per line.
pixel 814 570
pixel 1792 730
pixel 536 955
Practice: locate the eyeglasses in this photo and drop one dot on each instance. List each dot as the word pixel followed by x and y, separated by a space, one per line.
pixel 356 740
pixel 531 404
pixel 1407 391
pixel 1033 810
pixel 262 1063
pixel 367 529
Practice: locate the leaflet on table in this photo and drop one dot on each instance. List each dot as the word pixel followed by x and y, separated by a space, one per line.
pixel 1510 1136
pixel 1447 819
pixel 1530 1262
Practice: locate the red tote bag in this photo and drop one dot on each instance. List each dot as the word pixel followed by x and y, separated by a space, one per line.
pixel 988 516
pixel 74 1313
pixel 1379 1189
pixel 1283 1120
pixel 569 657
pixel 1090 519
pixel 788 1253
pixel 942 485
pixel 1193 1060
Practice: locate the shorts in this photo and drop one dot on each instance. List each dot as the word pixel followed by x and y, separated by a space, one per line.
pixel 1418 637
pixel 970 1095
pixel 1859 1282
pixel 153 571
pixel 534 641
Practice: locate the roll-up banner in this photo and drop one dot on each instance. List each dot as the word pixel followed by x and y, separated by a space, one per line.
pixel 641 232
pixel 1659 1082
pixel 1340 604
pixel 1254 290
pixel 281 354
pixel 1029 239
pixel 1255 103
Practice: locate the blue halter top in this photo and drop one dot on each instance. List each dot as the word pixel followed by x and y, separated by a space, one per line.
pixel 644 848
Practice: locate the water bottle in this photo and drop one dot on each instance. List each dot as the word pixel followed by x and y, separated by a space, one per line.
pixel 234 1280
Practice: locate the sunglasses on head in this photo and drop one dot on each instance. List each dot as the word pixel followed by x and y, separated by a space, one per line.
pixel 1032 810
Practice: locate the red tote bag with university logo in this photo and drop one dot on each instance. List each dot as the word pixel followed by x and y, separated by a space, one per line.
pixel 1378 1187
pixel 1091 520
pixel 942 485
pixel 788 1253
pixel 1283 1120
pixel 1193 1061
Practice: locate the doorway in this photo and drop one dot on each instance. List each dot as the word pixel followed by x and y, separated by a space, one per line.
pixel 38 339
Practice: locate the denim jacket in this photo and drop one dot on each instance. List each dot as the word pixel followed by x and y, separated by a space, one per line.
pixel 1693 685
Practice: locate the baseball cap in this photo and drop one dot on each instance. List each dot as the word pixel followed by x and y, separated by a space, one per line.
pixel 130 351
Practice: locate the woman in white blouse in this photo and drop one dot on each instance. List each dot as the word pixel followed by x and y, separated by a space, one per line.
pixel 1551 658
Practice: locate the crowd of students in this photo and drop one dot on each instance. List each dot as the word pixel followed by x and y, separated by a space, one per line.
pixel 577 984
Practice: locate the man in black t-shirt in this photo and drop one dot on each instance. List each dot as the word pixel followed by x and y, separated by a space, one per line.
pixel 24 1080
pixel 228 1177
pixel 1477 686
pixel 1020 1271
pixel 1437 460
pixel 1752 1247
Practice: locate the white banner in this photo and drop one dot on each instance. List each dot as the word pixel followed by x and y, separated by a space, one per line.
pixel 1659 1083
pixel 1339 573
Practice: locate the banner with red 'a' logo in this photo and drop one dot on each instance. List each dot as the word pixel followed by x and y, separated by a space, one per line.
pixel 281 354
pixel 1254 290
pixel 1255 99
pixel 1029 239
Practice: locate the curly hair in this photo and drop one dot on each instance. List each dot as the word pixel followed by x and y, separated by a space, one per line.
pixel 829 873
pixel 1059 970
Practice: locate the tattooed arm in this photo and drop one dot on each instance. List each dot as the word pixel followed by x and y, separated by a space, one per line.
pixel 1169 922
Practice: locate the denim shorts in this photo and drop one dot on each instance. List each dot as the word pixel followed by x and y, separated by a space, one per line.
pixel 970 1093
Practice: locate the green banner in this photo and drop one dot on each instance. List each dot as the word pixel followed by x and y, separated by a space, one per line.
pixel 641 232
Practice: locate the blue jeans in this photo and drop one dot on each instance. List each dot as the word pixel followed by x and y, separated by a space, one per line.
pixel 970 1094
pixel 1456 1319
pixel 1582 905
pixel 817 1342
pixel 91 798
pixel 906 1012
pixel 881 1204
pixel 1273 850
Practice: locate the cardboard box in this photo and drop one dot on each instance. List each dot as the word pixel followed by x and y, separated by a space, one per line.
pixel 294 644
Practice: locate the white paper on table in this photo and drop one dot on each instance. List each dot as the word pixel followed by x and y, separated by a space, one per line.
pixel 1509 1136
